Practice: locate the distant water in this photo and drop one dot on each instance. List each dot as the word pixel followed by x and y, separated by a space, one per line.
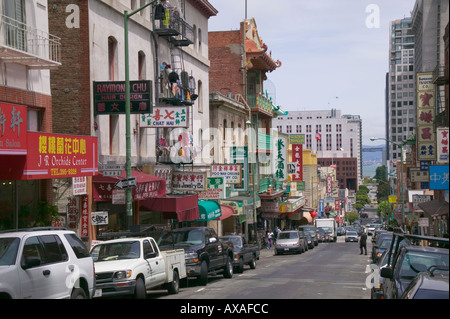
pixel 370 170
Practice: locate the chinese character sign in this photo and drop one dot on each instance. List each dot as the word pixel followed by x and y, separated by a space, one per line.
pixel 230 172
pixel 439 177
pixel 166 116
pixel 60 156
pixel 425 116
pixel 442 145
pixel 297 158
pixel 13 129
pixel 281 158
pixel 189 180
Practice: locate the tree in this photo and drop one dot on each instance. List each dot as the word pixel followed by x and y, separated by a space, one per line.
pixel 383 191
pixel 351 217
pixel 381 173
pixel 384 210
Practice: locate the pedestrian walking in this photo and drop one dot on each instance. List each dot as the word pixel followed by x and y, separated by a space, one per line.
pixel 269 239
pixel 363 243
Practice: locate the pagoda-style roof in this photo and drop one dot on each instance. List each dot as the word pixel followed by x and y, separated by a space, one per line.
pixel 256 50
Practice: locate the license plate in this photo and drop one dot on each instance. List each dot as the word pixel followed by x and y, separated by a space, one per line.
pixel 98 293
pixel 286 249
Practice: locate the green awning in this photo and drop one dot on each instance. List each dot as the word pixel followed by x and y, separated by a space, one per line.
pixel 208 210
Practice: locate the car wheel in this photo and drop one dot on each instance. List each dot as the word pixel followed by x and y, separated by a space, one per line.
pixel 253 263
pixel 228 270
pixel 78 293
pixel 203 278
pixel 240 267
pixel 174 286
pixel 141 291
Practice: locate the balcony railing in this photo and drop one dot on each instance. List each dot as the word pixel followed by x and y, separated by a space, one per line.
pixel 261 103
pixel 180 33
pixel 23 44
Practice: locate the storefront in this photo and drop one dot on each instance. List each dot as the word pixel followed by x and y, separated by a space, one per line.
pixel 30 161
pixel 112 200
pixel 437 212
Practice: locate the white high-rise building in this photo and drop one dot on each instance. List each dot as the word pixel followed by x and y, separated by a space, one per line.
pixel 340 134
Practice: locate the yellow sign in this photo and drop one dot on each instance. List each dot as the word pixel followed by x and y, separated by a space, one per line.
pixel 392 199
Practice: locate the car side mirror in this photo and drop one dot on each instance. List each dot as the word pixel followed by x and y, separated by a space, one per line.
pixel 212 240
pixel 386 272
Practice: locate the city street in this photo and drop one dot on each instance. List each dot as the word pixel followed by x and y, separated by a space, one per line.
pixel 330 270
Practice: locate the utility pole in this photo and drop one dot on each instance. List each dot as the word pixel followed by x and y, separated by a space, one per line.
pixel 129 191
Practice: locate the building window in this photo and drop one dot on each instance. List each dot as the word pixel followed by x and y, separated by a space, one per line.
pixel 112 58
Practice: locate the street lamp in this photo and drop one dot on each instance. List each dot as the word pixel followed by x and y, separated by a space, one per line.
pixel 402 193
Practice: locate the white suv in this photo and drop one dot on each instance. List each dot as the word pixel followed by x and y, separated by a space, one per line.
pixel 45 263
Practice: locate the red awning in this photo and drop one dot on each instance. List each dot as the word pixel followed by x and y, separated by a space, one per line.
pixel 183 207
pixel 148 186
pixel 227 211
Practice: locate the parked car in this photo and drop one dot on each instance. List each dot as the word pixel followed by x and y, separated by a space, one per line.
pixel 432 284
pixel 377 290
pixel 244 254
pixel 407 262
pixel 375 246
pixel 380 247
pixel 289 241
pixel 303 236
pixel 351 236
pixel 340 231
pixel 204 252
pixel 312 231
pixel 309 240
pixel 377 233
pixel 45 263
pixel 131 266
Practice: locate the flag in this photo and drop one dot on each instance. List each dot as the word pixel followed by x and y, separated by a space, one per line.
pixel 318 135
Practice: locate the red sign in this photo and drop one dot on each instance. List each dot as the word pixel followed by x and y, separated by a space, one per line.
pixel 329 185
pixel 60 156
pixel 297 157
pixel 13 129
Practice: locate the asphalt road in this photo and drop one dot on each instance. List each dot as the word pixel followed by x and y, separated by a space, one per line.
pixel 329 271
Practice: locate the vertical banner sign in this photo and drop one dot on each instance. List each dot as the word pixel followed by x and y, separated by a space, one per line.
pixel 84 232
pixel 329 185
pixel 239 154
pixel 426 139
pixel 297 157
pixel 281 160
pixel 321 207
pixel 442 145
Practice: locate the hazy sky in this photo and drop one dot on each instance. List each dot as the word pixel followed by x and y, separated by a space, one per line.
pixel 334 53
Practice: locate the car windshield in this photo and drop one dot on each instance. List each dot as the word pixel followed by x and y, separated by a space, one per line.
pixel 116 251
pixel 237 241
pixel 288 235
pixel 415 262
pixel 188 237
pixel 351 233
pixel 327 229
pixel 8 251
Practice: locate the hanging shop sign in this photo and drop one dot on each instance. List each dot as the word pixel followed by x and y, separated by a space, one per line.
pixel 166 116
pixel 189 180
pixel 439 177
pixel 109 97
pixel 297 157
pixel 281 158
pixel 297 138
pixel 239 154
pixel 60 156
pixel 215 189
pixel 232 173
pixel 13 129
pixel 442 145
pixel 426 137
pixel 79 185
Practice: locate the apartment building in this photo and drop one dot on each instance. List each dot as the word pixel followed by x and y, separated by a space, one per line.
pixel 328 133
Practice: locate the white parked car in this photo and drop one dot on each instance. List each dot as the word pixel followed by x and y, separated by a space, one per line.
pixel 43 263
